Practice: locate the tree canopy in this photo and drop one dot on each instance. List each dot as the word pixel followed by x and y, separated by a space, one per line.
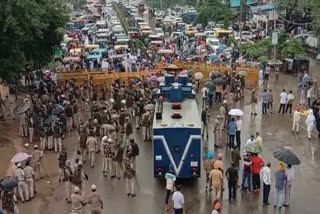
pixel 214 10
pixel 305 8
pixel 263 49
pixel 30 30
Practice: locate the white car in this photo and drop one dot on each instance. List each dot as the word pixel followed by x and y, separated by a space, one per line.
pixel 159 32
pixel 213 43
pixel 247 35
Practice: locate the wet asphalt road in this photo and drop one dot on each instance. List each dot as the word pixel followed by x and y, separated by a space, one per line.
pixel 274 128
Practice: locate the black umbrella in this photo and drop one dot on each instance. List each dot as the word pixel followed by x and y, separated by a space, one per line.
pixel 57 109
pixel 286 156
pixel 22 108
pixel 50 120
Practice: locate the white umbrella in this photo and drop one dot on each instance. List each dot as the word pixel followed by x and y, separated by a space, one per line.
pixel 19 157
pixel 236 112
pixel 123 102
pixel 198 76
pixel 111 100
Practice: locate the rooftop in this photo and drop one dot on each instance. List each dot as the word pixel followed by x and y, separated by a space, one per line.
pixel 189 111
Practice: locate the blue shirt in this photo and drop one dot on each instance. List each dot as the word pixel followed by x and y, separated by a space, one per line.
pixel 281 179
pixel 265 97
pixel 232 128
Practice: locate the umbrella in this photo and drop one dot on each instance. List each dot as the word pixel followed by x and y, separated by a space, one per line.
pixel 50 120
pixel 198 76
pixel 149 107
pixel 111 100
pixel 209 84
pixel 242 73
pixel 19 157
pixel 287 156
pixel 123 102
pixel 57 109
pixel 236 112
pixel 20 109
pixel 218 81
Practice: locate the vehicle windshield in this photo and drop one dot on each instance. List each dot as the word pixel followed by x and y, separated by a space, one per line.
pixel 214 42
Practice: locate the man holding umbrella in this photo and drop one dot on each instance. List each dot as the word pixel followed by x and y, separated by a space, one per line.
pixel 286 156
pixel 237 113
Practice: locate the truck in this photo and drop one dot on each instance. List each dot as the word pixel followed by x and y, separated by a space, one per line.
pixel 176 130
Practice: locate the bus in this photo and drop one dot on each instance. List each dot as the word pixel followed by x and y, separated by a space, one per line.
pixel 176 132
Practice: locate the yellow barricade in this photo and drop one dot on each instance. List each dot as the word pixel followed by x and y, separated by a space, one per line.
pixel 101 77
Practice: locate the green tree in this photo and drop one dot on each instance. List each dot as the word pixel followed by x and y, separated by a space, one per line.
pixel 214 10
pixel 301 7
pixel 291 48
pixel 30 30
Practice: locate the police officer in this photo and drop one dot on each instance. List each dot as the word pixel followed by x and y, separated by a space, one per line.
pixel 30 124
pixel 68 174
pixel 97 134
pixel 91 145
pixel 77 201
pixel 49 134
pixel 22 186
pixel 128 130
pixel 76 114
pixel 129 175
pixel 69 114
pixel 43 137
pixel 29 175
pixel 23 130
pixel 35 160
pixel 146 125
pixel 57 134
pixel 62 158
pixel 95 201
pixel 83 141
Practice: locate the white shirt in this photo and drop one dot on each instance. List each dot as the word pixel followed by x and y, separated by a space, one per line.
pixel 249 142
pixel 290 173
pixel 204 92
pixel 296 116
pixel 265 174
pixel 178 200
pixel 283 97
pixel 20 174
pixel 170 178
pixel 290 97
pixel 239 125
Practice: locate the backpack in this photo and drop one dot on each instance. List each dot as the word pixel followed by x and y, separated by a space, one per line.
pixel 135 150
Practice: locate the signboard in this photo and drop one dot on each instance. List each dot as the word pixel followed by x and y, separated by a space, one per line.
pixel 274 38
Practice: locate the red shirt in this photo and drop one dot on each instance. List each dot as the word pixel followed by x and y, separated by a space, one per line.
pixel 256 164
